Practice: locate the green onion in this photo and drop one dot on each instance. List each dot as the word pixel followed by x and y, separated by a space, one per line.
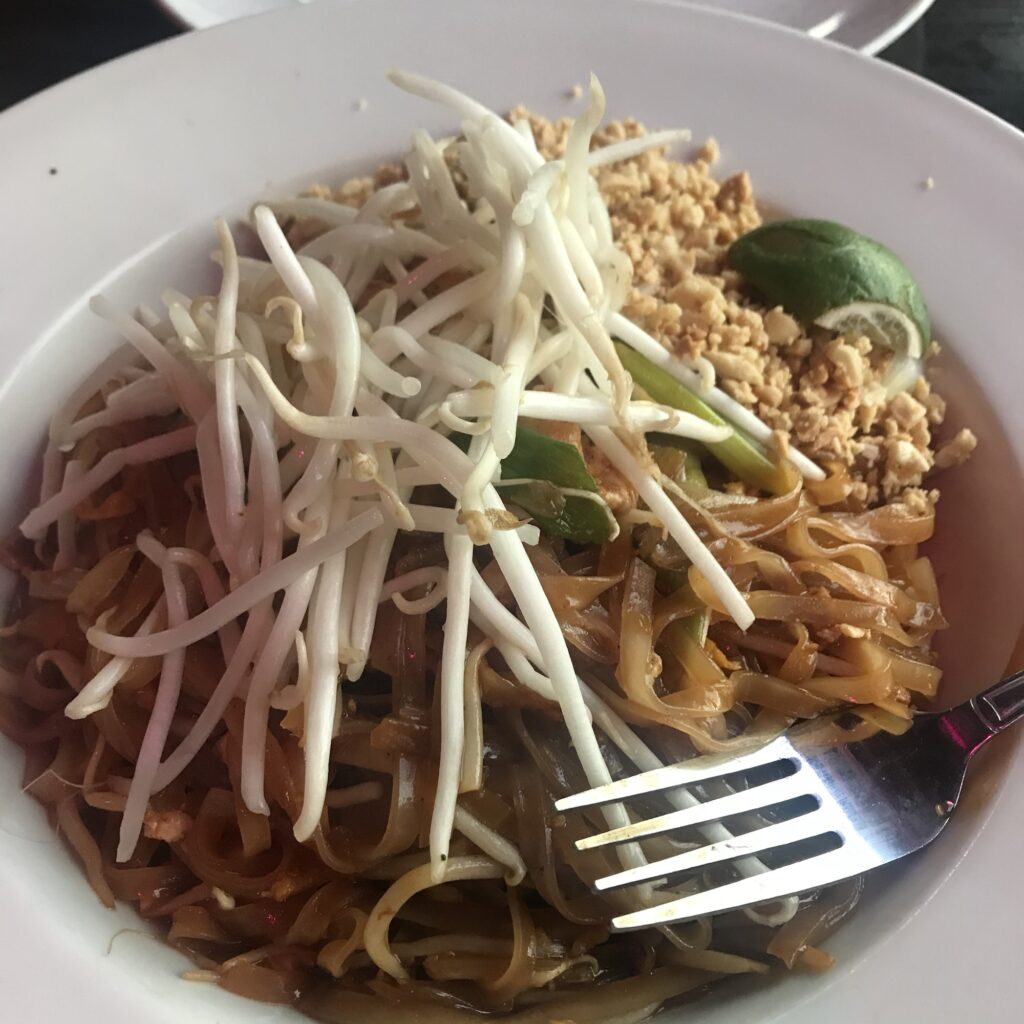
pixel 740 454
pixel 549 480
pixel 581 516
pixel 536 456
pixel 679 458
pixel 686 633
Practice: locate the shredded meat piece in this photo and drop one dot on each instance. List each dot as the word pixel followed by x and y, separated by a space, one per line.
pixel 616 490
pixel 560 430
pixel 167 826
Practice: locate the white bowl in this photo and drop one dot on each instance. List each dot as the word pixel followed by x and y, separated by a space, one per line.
pixel 146 151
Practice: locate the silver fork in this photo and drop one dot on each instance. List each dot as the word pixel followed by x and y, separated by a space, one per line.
pixel 871 802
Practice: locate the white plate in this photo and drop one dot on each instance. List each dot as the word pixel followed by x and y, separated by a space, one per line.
pixel 868 25
pixel 112 181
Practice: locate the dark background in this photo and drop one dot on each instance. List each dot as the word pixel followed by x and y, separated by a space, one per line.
pixel 974 47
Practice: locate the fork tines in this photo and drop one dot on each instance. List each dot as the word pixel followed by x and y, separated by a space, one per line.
pixel 700 769
pixel 817 817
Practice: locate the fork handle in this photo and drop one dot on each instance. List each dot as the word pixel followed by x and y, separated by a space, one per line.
pixel 1001 705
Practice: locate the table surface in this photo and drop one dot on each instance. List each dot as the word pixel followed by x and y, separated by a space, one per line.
pixel 974 47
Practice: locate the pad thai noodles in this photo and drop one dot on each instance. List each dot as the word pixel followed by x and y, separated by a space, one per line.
pixel 496 476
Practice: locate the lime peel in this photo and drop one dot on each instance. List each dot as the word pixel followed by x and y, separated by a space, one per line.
pixel 880 322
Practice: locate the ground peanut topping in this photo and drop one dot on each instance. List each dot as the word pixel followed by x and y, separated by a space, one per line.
pixel 676 221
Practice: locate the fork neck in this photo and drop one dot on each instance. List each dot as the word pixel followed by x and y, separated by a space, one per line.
pixel 966 728
pixel 1001 705
pixel 972 724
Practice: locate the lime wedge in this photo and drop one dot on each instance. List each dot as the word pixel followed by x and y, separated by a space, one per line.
pixel 812 266
pixel 883 324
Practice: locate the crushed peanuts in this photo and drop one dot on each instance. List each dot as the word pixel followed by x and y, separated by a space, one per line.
pixel 823 394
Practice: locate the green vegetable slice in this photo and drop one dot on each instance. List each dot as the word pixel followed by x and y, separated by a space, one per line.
pixel 536 456
pixel 578 515
pixel 812 266
pixel 549 480
pixel 685 634
pixel 740 454
pixel 697 626
pixel 679 458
